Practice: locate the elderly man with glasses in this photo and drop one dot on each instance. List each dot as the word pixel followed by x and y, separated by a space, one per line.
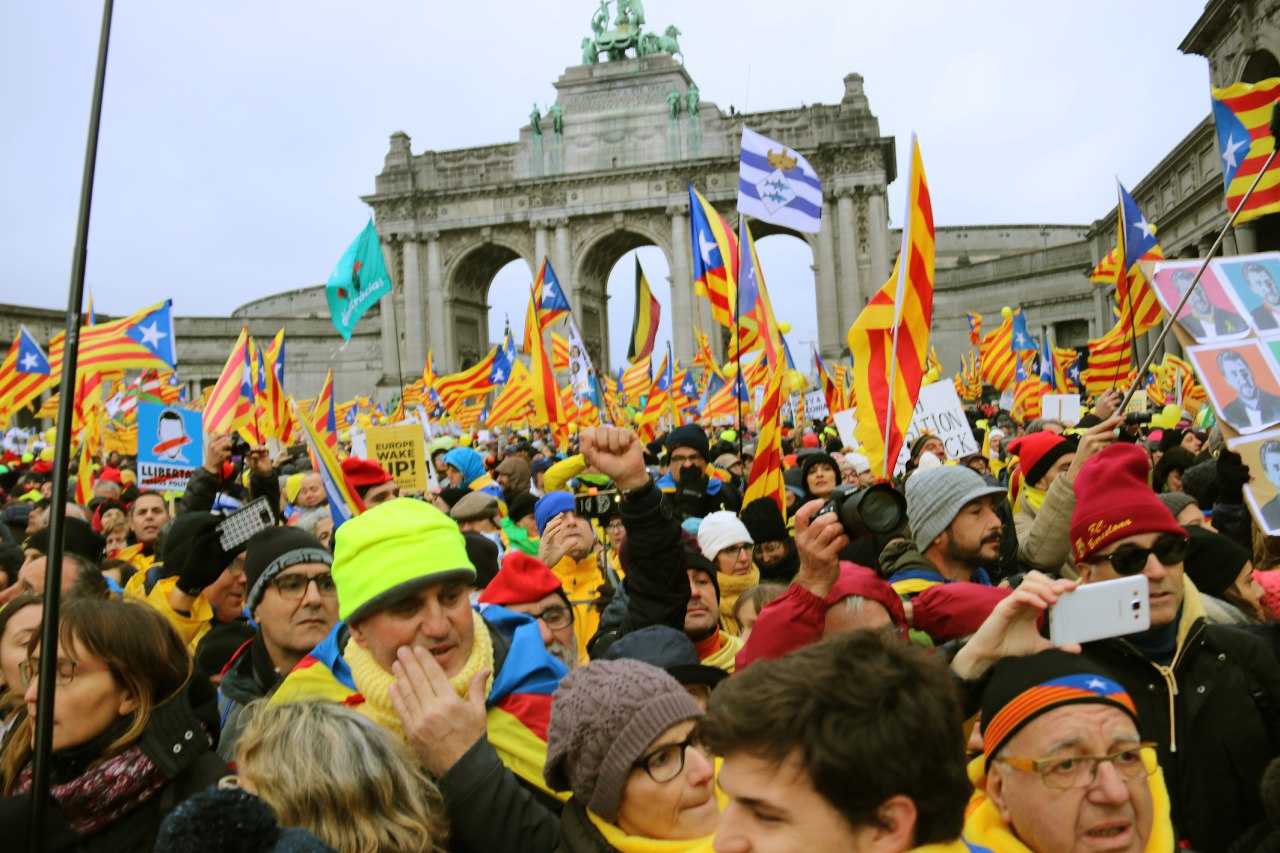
pixel 294 602
pixel 1207 696
pixel 526 585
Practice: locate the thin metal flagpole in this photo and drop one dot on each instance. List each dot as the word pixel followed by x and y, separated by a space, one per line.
pixel 61 455
pixel 897 305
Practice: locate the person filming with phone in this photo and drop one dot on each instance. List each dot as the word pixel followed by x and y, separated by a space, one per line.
pixel 1207 696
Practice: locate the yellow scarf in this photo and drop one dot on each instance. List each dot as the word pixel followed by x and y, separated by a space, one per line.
pixel 722 658
pixel 624 843
pixel 374 682
pixel 732 586
pixel 1033 497
pixel 983 825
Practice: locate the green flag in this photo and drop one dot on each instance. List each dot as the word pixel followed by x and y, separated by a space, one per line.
pixel 358 281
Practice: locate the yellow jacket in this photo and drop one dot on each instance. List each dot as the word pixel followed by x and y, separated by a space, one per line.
pixel 190 627
pixel 581 579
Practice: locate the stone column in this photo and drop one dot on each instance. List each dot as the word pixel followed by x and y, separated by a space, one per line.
pixel 829 332
pixel 414 326
pixel 682 298
pixel 437 325
pixel 1246 239
pixel 387 307
pixel 849 297
pixel 540 245
pixel 878 237
pixel 564 267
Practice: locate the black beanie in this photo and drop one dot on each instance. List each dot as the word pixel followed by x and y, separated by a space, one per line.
pixel 1213 561
pixel 689 435
pixel 78 537
pixel 452 494
pixel 483 554
pixel 273 550
pixel 520 506
pixel 1174 459
pixel 1024 687
pixel 695 562
pixel 231 821
pixel 1170 439
pixel 764 521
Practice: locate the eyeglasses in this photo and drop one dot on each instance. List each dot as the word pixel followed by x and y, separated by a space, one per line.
pixel 294 587
pixel 30 668
pixel 1131 560
pixel 1081 771
pixel 556 617
pixel 667 761
pixel 735 550
pixel 686 459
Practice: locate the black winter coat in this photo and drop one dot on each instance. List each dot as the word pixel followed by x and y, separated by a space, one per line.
pixel 1216 729
pixel 177 743
pixel 578 834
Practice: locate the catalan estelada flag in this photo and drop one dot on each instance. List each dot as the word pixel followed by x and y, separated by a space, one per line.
pixel 514 403
pixel 559 353
pixel 636 378
pixel 644 326
pixel 549 297
pixel 1109 363
pixel 995 355
pixel 323 416
pixel 344 501
pixel 704 358
pixel 230 405
pixel 833 394
pixel 1241 116
pixel 547 407
pixel 24 374
pixel 975 327
pixel 765 479
pixel 721 399
pixel 757 327
pixel 659 401
pixel 277 403
pixel 715 257
pixel 889 341
pixel 1135 240
pixel 144 339
pixel 467 382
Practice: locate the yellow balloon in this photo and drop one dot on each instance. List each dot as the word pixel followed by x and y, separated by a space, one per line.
pixel 1006 312
pixel 784 327
pixel 730 369
pixel 1168 417
pixel 794 382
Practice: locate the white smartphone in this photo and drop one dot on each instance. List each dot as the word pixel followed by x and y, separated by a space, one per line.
pixel 1096 611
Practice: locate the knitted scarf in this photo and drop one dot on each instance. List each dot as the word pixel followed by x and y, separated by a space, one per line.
pixel 1033 497
pixel 107 790
pixel 721 654
pixel 618 839
pixel 984 826
pixel 732 586
pixel 374 682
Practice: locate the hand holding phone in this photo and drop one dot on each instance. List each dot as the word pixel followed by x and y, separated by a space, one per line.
pixel 1100 610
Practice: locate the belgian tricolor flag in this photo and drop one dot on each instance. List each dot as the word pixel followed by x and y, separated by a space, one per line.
pixel 644 328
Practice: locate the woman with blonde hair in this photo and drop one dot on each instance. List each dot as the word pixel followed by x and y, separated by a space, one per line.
pixel 328 770
pixel 127 747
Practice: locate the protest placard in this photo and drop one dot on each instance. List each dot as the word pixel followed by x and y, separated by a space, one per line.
pixel 401 451
pixel 938 412
pixel 170 447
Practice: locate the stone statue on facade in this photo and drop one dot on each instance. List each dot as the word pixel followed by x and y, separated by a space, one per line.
pixel 535 120
pixel 556 113
pixel 590 54
pixel 694 98
pixel 626 34
pixel 673 102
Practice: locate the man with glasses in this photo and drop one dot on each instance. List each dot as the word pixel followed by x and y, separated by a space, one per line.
pixel 1063 766
pixel 567 544
pixel 294 602
pixel 1207 696
pixel 525 584
pixel 686 487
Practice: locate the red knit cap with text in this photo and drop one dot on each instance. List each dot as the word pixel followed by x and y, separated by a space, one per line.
pixel 523 579
pixel 1114 501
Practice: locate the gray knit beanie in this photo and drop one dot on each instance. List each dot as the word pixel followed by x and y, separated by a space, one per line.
pixel 603 718
pixel 935 497
pixel 1176 501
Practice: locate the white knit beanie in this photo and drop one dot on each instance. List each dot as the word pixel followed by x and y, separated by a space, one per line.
pixel 720 530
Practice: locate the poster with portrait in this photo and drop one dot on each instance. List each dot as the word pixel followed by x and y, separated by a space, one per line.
pixel 1210 314
pixel 1254 281
pixel 1261 453
pixel 1241 381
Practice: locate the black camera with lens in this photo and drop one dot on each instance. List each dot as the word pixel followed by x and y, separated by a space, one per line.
pixel 877 509
pixel 239 447
pixel 1137 418
pixel 595 505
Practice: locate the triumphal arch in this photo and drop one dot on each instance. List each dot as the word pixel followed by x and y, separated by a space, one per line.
pixel 603 170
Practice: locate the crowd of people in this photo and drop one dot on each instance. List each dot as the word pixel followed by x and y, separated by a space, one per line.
pixel 604 649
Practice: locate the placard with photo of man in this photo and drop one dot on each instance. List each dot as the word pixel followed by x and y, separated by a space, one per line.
pixel 1210 314
pixel 1241 380
pixel 1262 493
pixel 1254 280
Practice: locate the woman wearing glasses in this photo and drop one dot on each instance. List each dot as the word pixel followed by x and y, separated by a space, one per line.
pixel 294 603
pixel 126 746
pixel 724 540
pixel 621 739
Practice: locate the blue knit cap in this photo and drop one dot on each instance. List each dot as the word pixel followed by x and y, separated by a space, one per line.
pixel 549 506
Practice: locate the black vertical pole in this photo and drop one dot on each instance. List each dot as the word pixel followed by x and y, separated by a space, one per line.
pixel 62 450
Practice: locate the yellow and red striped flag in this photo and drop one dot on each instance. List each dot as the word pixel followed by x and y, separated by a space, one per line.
pixel 1242 115
pixel 323 418
pixel 514 402
pixel 468 413
pixel 1110 361
pixel 547 406
pixel 704 357
pixel 765 479
pixel 833 394
pixel 995 353
pixel 889 341
pixel 467 382
pixel 559 353
pixel 230 404
pixel 659 401
pixel 715 258
pixel 636 378
pixel 84 476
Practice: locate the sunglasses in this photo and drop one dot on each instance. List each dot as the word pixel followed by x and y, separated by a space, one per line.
pixel 1131 560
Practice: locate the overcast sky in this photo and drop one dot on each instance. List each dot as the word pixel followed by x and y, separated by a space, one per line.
pixel 238 136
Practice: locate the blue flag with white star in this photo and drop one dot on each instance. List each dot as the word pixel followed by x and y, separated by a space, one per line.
pixel 155 332
pixel 1047 374
pixel 1021 339
pixel 31 356
pixel 1139 234
pixel 1233 140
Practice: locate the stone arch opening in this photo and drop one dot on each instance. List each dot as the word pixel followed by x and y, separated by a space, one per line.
pixel 1260 65
pixel 621 300
pixel 470 279
pixel 508 299
pixel 598 260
